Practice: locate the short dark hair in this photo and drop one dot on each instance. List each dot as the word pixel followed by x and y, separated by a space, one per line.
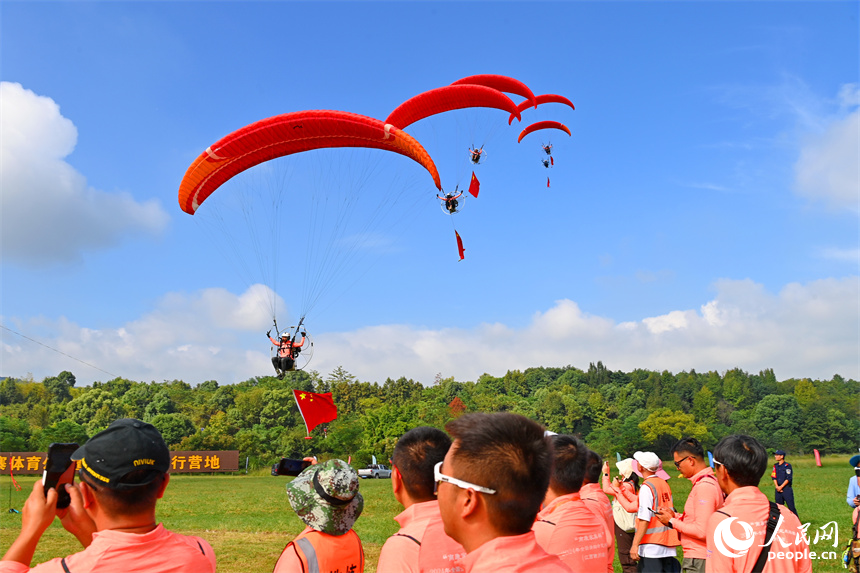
pixel 593 467
pixel 743 457
pixel 132 500
pixel 509 453
pixel 689 446
pixel 415 454
pixel 568 468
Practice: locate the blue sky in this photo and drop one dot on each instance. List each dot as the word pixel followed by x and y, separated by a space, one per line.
pixel 704 213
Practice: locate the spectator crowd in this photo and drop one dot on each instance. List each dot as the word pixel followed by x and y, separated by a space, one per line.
pixel 494 493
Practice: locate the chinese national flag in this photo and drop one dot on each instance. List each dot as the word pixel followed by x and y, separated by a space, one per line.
pixel 315 409
pixel 460 246
pixel 474 186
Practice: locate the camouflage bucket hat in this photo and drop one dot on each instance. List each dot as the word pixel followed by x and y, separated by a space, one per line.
pixel 326 498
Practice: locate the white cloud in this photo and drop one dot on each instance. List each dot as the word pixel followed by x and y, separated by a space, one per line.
pixel 211 334
pixel 48 212
pixel 803 330
pixel 828 168
pixel 845 255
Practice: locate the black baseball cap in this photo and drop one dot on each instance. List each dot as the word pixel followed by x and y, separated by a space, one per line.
pixel 125 446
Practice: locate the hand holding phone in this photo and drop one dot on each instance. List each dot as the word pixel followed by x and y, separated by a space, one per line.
pixel 59 470
pixel 290 467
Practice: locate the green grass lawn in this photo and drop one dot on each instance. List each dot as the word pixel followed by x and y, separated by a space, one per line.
pixel 248 520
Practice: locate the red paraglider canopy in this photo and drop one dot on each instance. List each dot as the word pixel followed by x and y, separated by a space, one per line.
pixel 449 98
pixel 542 99
pixel 503 84
pixel 287 134
pixel 542 125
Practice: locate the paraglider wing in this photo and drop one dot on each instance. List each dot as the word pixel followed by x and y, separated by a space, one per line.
pixel 449 98
pixel 542 99
pixel 542 125
pixel 287 134
pixel 503 84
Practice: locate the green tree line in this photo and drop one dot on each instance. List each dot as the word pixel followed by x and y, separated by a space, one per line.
pixel 613 411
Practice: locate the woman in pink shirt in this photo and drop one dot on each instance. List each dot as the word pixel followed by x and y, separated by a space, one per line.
pixel 626 491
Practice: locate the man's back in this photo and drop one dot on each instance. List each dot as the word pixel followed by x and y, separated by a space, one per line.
pixel 513 554
pixel 159 551
pixel 421 543
pixel 569 529
pixel 749 506
pixel 598 502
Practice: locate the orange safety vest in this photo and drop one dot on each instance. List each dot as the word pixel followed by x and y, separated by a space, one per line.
pixel 323 553
pixel 657 533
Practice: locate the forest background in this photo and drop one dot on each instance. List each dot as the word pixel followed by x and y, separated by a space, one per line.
pixel 612 411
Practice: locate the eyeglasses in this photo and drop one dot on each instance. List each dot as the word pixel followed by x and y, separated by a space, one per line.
pixel 716 463
pixel 439 477
pixel 678 463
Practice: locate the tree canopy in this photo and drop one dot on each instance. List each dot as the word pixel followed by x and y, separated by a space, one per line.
pixel 612 411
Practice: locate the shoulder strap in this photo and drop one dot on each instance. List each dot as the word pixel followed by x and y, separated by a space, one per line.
pixel 65 567
pixel 409 536
pixel 772 519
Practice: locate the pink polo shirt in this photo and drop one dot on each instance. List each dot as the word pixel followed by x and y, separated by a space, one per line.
pixel 705 498
pixel 750 505
pixel 598 502
pixel 512 554
pixel 420 541
pixel 111 551
pixel 569 529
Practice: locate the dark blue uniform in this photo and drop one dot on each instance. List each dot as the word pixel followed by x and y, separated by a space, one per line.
pixel 780 473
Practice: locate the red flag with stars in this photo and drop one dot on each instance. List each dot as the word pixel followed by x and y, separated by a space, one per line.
pixel 460 245
pixel 315 409
pixel 474 186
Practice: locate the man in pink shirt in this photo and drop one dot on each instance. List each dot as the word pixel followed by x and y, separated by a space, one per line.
pixel 123 473
pixel 704 499
pixel 490 487
pixel 599 503
pixel 566 526
pixel 421 543
pixel 736 532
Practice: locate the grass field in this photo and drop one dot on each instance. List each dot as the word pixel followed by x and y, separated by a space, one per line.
pixel 248 521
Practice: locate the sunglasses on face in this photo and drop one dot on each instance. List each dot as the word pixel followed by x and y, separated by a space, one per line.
pixel 678 463
pixel 439 477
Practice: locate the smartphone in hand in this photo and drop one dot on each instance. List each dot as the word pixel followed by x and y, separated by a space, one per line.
pixel 289 467
pixel 59 470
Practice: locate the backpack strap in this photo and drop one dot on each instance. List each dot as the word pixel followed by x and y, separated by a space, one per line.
pixel 65 567
pixel 409 536
pixel 772 519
